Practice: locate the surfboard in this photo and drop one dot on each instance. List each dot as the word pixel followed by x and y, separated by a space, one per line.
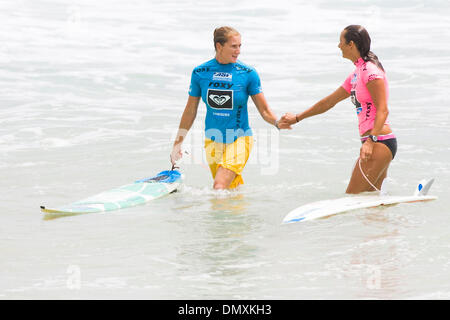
pixel 126 196
pixel 326 208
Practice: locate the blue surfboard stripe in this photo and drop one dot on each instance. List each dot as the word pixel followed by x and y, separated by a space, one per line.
pixel 167 176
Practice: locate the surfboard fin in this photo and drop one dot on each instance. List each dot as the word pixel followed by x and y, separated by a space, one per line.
pixel 385 187
pixel 423 187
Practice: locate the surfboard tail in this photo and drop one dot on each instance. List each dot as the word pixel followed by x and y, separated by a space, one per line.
pixel 423 187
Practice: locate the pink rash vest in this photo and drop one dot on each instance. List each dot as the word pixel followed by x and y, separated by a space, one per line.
pixel 355 85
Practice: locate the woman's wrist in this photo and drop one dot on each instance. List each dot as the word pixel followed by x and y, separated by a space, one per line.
pixel 276 124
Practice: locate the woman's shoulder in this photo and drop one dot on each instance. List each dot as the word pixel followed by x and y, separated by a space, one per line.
pixel 370 71
pixel 370 67
pixel 205 65
pixel 241 66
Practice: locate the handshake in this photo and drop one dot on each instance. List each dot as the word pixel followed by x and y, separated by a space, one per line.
pixel 286 121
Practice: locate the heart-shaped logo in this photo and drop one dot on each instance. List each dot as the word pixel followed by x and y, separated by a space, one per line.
pixel 220 100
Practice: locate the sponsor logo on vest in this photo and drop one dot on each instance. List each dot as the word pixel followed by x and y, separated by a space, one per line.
pixel 202 69
pixel 355 101
pixel 220 99
pixel 222 76
pixel 220 85
pixel 369 108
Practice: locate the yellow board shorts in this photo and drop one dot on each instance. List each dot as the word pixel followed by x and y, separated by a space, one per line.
pixel 232 156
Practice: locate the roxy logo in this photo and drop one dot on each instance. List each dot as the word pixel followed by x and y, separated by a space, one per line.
pixel 355 101
pixel 220 99
pixel 222 76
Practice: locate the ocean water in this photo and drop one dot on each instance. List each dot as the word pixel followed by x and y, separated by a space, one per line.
pixel 91 98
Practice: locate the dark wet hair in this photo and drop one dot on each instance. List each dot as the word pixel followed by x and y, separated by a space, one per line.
pixel 359 35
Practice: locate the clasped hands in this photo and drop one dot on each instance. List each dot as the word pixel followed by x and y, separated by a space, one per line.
pixel 286 121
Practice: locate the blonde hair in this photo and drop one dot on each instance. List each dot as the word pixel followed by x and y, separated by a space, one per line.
pixel 222 34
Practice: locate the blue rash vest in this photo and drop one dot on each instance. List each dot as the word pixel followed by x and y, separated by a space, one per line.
pixel 225 89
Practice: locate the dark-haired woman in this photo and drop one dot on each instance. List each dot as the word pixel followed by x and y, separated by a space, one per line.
pixel 368 88
pixel 224 84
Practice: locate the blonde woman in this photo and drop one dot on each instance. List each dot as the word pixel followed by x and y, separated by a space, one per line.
pixel 224 84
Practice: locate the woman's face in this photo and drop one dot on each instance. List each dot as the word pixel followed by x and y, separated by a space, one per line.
pixel 345 47
pixel 229 52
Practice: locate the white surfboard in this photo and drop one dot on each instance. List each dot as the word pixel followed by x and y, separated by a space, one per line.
pixel 326 208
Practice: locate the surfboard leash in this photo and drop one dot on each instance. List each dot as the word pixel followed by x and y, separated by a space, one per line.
pixel 177 167
pixel 367 179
